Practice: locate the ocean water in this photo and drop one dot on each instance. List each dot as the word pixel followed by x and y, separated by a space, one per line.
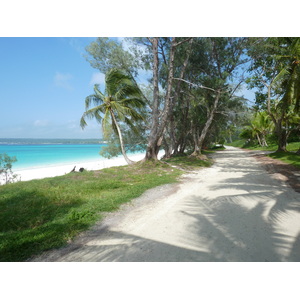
pixel 47 154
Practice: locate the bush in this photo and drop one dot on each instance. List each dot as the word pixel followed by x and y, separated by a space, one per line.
pixel 6 174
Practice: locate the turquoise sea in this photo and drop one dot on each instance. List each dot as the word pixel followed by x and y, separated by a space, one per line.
pixel 44 153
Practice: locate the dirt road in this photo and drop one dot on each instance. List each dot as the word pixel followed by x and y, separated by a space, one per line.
pixel 233 211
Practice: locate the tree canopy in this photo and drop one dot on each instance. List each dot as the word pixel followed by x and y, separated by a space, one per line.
pixel 193 96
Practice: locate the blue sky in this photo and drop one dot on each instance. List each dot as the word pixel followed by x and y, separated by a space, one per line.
pixel 43 85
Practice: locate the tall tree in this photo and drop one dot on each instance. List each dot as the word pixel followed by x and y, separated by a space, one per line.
pixel 213 71
pixel 120 103
pixel 160 118
pixel 277 78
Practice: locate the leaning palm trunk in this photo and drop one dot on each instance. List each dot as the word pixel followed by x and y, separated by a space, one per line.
pixel 120 138
pixel 263 140
pixel 259 141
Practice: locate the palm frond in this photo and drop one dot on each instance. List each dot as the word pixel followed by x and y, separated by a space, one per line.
pixel 133 102
pixel 88 101
pixel 120 110
pixel 98 94
pixel 93 113
pixel 281 75
pixel 296 48
pixel 133 128
pixel 114 78
pixel 83 122
pixel 106 122
pixel 122 98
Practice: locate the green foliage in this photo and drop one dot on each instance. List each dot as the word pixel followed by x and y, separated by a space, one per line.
pixel 188 162
pixel 276 75
pixel 132 142
pixel 6 173
pixel 105 54
pixel 237 143
pixel 121 98
pixel 287 157
pixel 121 103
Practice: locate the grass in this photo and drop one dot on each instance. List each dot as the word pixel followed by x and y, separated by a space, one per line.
pixel 189 163
pixel 43 214
pixel 291 147
pixel 287 157
pixel 237 143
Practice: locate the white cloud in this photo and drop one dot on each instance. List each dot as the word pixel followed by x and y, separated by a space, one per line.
pixel 63 80
pixel 97 78
pixel 40 123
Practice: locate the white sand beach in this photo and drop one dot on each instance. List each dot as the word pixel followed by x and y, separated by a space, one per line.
pixel 57 170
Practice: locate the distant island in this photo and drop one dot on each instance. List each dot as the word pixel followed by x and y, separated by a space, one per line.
pixel 33 141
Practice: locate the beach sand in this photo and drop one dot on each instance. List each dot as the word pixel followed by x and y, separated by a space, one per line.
pixel 57 170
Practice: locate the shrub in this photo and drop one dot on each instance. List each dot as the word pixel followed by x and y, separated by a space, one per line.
pixel 6 174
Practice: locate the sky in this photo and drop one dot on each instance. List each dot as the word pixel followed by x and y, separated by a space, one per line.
pixel 43 85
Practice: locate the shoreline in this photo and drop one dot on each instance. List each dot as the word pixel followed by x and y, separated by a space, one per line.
pixel 62 169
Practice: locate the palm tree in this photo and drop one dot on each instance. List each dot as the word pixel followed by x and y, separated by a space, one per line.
pixel 290 76
pixel 261 125
pixel 120 102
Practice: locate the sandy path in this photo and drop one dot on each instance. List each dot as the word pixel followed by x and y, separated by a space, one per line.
pixel 233 211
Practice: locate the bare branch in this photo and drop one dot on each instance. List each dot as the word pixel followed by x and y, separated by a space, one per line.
pixel 237 86
pixel 196 85
pixel 179 43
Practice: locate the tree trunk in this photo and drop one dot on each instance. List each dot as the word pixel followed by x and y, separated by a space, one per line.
pixel 230 137
pixel 167 148
pixel 152 140
pixel 175 100
pixel 120 138
pixel 158 126
pixel 281 133
pixel 259 141
pixel 263 140
pixel 209 121
pixel 196 151
pixel 281 136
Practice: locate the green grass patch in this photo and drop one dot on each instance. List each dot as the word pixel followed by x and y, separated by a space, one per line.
pixel 190 162
pixel 218 148
pixel 237 143
pixel 287 157
pixel 43 214
pixel 291 147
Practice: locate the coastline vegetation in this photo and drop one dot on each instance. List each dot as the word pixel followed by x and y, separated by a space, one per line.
pixel 6 173
pixel 40 215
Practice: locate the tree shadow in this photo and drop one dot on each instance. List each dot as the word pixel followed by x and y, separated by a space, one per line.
pixel 221 231
pixel 116 246
pixel 31 222
pixel 236 233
